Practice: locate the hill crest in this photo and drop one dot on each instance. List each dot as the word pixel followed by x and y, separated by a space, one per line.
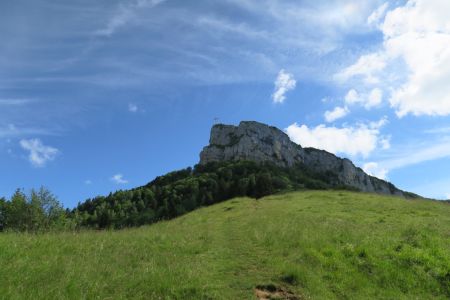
pixel 261 143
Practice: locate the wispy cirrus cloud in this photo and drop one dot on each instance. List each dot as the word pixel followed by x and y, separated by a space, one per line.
pixel 12 130
pixel 408 155
pixel 233 27
pixel 236 41
pixel 415 154
pixel 439 130
pixel 125 14
pixel 14 101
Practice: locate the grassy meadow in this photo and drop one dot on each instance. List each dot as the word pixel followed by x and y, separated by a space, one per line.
pixel 302 245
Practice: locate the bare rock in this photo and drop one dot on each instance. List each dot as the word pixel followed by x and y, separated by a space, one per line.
pixel 261 143
pixel 251 141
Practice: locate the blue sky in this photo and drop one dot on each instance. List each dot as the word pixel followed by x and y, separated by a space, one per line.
pixel 102 95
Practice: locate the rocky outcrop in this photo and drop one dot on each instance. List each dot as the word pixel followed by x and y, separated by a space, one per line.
pixel 251 141
pixel 262 143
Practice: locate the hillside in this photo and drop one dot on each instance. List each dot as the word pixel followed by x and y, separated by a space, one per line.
pixel 251 159
pixel 178 192
pixel 302 245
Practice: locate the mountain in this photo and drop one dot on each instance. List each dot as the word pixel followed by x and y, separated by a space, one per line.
pixel 252 159
pixel 261 143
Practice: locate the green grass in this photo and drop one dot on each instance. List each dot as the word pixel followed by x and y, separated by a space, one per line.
pixel 317 245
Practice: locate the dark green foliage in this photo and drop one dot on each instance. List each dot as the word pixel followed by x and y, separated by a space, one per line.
pixel 3 204
pixel 166 197
pixel 290 278
pixel 264 185
pixel 410 195
pixel 38 210
pixel 182 191
pixel 18 212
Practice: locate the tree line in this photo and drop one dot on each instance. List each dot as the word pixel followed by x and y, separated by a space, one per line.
pixel 166 197
pixel 37 210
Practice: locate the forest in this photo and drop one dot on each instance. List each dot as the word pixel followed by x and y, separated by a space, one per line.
pixel 166 197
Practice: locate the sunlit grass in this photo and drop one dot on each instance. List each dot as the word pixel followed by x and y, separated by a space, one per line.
pixel 318 245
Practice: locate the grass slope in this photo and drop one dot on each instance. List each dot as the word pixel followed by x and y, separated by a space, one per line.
pixel 317 245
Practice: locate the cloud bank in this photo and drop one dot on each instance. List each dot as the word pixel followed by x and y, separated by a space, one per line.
pixel 416 40
pixel 360 140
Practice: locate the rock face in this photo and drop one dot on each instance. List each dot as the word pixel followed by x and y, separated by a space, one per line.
pixel 262 143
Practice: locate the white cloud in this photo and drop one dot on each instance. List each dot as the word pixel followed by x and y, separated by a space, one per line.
pixel 285 82
pixel 118 179
pixel 372 168
pixel 132 107
pixel 385 143
pixel 368 67
pixel 378 124
pixel 447 196
pixel 124 15
pixel 359 140
pixel 419 34
pixel 416 35
pixel 335 114
pixel 39 153
pixel 352 97
pixel 377 15
pixel 373 99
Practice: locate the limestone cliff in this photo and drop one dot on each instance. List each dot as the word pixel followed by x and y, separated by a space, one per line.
pixel 262 143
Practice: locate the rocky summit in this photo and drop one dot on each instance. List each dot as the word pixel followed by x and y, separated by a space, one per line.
pixel 261 143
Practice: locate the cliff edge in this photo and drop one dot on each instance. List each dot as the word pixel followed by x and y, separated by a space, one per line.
pixel 261 143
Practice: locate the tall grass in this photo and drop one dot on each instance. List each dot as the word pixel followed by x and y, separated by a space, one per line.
pixel 317 245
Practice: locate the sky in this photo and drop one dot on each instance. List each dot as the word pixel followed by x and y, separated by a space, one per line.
pixel 97 96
